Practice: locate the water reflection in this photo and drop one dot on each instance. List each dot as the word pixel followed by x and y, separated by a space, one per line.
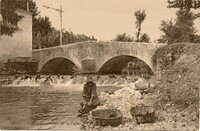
pixel 37 108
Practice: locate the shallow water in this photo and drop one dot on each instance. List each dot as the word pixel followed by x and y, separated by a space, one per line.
pixel 25 107
pixel 46 107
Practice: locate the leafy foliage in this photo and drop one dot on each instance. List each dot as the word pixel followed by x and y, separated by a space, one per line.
pixel 167 55
pixel 140 17
pixel 41 28
pixel 144 38
pixel 123 38
pixel 184 4
pixel 19 66
pixel 22 4
pixel 182 30
pixel 10 17
pixel 127 38
pixel 42 25
pixel 82 37
pixel 52 38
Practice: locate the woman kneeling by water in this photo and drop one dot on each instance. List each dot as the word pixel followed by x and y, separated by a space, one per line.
pixel 90 97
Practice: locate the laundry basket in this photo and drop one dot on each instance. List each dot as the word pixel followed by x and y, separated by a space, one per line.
pixel 105 117
pixel 143 114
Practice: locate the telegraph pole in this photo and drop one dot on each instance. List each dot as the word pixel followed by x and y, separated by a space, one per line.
pixel 1 18
pixel 60 24
pixel 60 11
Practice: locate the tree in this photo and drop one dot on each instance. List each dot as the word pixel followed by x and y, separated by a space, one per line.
pixel 182 30
pixel 83 37
pixel 69 37
pixel 10 17
pixel 22 4
pixel 123 37
pixel 144 38
pixel 140 17
pixel 169 30
pixel 51 37
pixel 185 4
pixel 42 25
pixel 44 35
pixel 41 29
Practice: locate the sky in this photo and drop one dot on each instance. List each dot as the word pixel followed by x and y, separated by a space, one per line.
pixel 104 19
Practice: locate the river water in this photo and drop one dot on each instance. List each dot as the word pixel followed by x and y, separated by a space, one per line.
pixel 46 107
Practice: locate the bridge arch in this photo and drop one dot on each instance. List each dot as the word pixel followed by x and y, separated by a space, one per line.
pixel 99 52
pixel 117 63
pixel 58 65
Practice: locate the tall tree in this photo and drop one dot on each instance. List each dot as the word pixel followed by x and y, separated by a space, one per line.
pixel 185 4
pixel 10 17
pixel 22 4
pixel 182 30
pixel 140 17
pixel 170 32
pixel 41 29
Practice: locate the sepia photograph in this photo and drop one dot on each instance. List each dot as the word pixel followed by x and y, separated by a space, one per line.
pixel 99 65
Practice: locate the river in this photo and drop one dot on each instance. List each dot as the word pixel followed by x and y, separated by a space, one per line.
pixel 46 107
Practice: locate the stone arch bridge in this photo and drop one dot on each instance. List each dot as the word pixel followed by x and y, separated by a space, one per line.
pixel 93 56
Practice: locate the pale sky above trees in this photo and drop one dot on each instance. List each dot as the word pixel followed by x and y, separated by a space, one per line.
pixel 106 18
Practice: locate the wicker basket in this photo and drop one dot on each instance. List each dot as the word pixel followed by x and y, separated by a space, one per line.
pixel 107 117
pixel 143 114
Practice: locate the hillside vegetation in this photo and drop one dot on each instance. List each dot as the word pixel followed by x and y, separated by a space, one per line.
pixel 178 90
